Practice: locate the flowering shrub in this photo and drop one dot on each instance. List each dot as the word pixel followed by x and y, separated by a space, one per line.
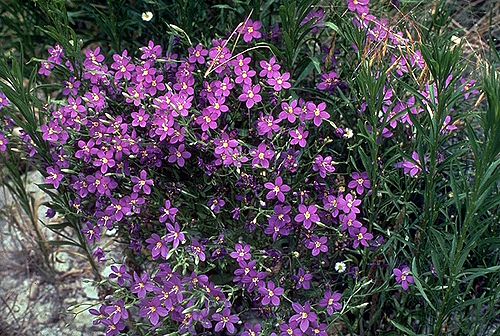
pixel 245 201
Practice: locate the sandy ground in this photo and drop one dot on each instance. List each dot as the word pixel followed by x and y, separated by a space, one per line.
pixel 32 300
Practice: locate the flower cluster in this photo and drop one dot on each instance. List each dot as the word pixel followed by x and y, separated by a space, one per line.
pixel 130 121
pixel 224 182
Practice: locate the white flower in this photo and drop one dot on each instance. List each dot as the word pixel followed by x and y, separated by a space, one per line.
pixel 340 267
pixel 147 16
pixel 348 133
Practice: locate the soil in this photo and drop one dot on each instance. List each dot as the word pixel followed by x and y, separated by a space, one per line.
pixel 35 300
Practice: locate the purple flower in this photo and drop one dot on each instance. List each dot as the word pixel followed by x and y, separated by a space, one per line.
pixel 104 160
pixel 269 69
pixel 360 182
pixel 113 329
pixel 317 245
pixel 142 183
pixel 4 142
pixel 153 310
pixel 291 329
pixel 317 113
pixel 267 125
pixel 361 236
pixel 244 76
pixel 411 167
pixel 224 88
pixel 99 255
pixel 178 155
pixel 323 166
pixel 250 95
pixel 359 6
pixel 250 30
pixel 241 253
pixel 151 51
pixel 303 279
pixel 56 54
pixel 271 294
pixel 299 137
pixel 251 330
pixel 158 246
pixel 71 87
pixel 277 189
pixel 350 223
pixel 254 280
pixel 92 233
pixel 225 321
pixel 120 274
pixel 117 311
pixel 216 204
pixel 217 105
pixel 54 176
pixel 140 118
pixel 289 111
pixel 331 301
pixel 175 235
pixel 307 215
pixel 329 81
pixel 262 155
pixel 123 66
pixel 95 99
pixel 208 120
pixel 53 132
pixel 4 101
pixel 142 285
pixel 278 221
pixel 168 212
pixel 348 204
pixel 45 68
pixel 198 249
pixel 279 81
pixel 197 55
pixel 469 89
pixel 304 316
pixel 403 277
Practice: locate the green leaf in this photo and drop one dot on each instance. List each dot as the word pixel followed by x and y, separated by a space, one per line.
pixel 418 284
pixel 403 328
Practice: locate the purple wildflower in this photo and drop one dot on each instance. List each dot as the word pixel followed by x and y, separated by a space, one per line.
pixel 304 316
pixel 307 215
pixel 360 182
pixel 225 321
pixel 271 294
pixel 250 95
pixel 142 183
pixel 403 277
pixel 153 310
pixel 277 189
pixel 117 311
pixel 317 245
pixel 329 81
pixel 279 81
pixel 262 155
pixel 323 166
pixel 158 246
pixel 142 285
pixel 303 279
pixel 3 142
pixel 241 253
pixel 331 301
pixel 362 236
pixel 250 30
pixel 175 235
pixel 54 176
